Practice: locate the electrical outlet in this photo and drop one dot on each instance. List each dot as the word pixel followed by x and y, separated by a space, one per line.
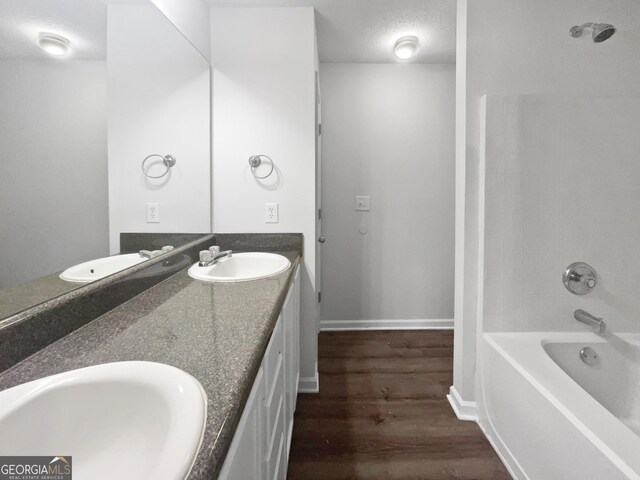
pixel 270 213
pixel 362 203
pixel 153 213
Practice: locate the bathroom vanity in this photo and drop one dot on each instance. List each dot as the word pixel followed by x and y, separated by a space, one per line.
pixel 239 340
pixel 260 446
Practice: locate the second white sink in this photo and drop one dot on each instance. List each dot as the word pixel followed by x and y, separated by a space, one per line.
pixel 241 267
pixel 102 267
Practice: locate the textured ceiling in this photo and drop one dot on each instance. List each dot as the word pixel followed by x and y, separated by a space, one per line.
pixel 83 22
pixel 364 31
pixel 354 31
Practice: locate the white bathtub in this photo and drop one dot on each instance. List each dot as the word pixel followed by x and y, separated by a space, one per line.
pixel 551 416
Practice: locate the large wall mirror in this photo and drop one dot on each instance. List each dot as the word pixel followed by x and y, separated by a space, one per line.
pixel 88 90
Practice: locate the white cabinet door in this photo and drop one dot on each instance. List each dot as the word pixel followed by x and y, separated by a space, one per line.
pixel 291 319
pixel 296 335
pixel 244 459
pixel 275 404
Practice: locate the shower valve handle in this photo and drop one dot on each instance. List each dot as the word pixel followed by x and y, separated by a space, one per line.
pixel 580 278
pixel 588 281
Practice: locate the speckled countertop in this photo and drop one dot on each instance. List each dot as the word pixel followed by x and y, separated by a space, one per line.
pixel 217 332
pixel 17 298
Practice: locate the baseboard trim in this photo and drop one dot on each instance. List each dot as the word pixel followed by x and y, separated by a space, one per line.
pixel 309 384
pixel 463 409
pixel 411 324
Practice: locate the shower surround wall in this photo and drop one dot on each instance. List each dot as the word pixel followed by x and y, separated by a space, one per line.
pixel 513 48
pixel 562 185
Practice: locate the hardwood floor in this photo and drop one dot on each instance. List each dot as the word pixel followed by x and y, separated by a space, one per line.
pixel 381 413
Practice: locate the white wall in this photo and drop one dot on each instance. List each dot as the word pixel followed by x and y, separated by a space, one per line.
pixel 388 132
pixel 524 47
pixel 53 175
pixel 159 98
pixel 465 251
pixel 264 102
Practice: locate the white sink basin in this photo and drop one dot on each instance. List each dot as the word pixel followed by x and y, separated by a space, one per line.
pixel 125 420
pixel 100 268
pixel 241 267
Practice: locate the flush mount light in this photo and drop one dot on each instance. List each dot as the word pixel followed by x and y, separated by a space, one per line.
pixel 53 44
pixel 406 47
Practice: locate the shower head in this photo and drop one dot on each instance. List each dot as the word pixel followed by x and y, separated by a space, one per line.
pixel 601 31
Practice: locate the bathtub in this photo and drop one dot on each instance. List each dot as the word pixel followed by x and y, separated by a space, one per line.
pixel 551 416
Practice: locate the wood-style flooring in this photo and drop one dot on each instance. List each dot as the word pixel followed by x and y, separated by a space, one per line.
pixel 381 413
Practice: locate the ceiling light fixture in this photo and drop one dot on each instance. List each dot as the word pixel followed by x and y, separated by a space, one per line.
pixel 53 44
pixel 406 47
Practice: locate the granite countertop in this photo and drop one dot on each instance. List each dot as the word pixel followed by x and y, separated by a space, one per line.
pixel 19 297
pixel 217 332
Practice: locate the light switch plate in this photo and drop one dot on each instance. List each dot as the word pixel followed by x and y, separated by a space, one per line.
pixel 362 203
pixel 153 213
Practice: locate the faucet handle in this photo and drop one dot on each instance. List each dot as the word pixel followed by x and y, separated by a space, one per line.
pixel 214 249
pixel 205 256
pixel 167 248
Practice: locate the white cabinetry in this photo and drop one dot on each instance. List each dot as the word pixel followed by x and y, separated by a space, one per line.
pixel 291 321
pixel 260 447
pixel 245 460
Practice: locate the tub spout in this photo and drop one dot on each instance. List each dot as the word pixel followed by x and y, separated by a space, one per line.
pixel 594 322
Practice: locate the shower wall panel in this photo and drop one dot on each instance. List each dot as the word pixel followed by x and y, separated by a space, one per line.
pixel 562 184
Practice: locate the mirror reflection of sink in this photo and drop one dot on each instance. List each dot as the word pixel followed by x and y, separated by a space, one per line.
pixel 241 267
pixel 126 420
pixel 102 267
pixel 171 265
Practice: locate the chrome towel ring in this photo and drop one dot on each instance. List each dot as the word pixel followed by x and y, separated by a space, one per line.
pixel 255 161
pixel 168 161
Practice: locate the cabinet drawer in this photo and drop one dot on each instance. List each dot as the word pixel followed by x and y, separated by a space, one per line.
pixel 275 442
pixel 275 467
pixel 275 406
pixel 273 356
pixel 280 470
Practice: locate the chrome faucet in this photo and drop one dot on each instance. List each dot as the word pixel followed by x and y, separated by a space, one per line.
pixel 211 256
pixel 596 323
